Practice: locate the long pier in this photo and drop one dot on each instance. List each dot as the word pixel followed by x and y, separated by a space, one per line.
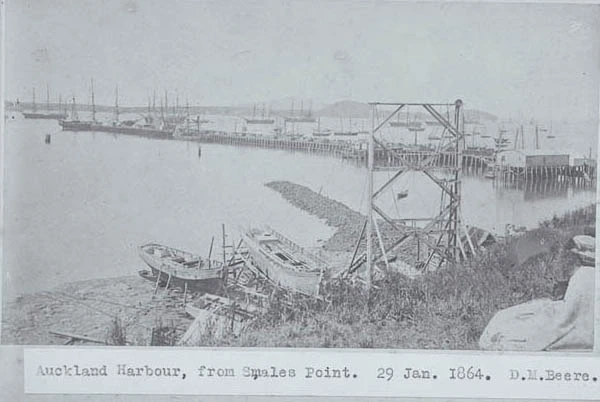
pixel 338 149
pixel 477 161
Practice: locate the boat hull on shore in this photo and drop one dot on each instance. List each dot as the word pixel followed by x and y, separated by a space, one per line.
pixel 284 262
pixel 178 268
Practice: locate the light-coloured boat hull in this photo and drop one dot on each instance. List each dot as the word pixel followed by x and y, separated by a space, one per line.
pixel 306 282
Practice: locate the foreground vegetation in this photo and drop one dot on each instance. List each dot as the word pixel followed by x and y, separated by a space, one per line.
pixel 447 309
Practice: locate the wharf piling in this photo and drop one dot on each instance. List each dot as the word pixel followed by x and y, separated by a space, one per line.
pixel 476 161
pixel 290 143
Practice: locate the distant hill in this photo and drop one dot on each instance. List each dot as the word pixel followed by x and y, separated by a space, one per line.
pixel 345 108
pixel 281 107
pixel 349 108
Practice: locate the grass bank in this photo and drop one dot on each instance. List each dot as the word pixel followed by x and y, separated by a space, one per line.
pixel 447 309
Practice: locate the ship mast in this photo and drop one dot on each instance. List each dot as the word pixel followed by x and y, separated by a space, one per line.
pixel 34 106
pixel 117 103
pixel 93 102
pixel 47 98
pixel 187 114
pixel 74 115
pixel 162 114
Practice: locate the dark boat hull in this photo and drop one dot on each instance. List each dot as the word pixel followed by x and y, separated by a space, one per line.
pixel 204 285
pixel 75 125
pixel 46 116
pixel 139 131
pixel 260 121
pixel 301 120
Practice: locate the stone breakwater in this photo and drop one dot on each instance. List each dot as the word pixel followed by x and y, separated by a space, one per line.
pixel 348 222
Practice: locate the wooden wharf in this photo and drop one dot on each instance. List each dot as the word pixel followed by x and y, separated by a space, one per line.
pixel 476 161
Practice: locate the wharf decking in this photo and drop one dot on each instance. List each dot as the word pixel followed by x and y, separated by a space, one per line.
pixel 338 149
pixel 474 160
pixel 348 150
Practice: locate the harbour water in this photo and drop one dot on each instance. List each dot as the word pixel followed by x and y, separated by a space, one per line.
pixel 79 207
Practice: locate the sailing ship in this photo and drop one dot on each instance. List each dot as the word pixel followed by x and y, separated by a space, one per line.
pixel 302 118
pixel 259 120
pixel 349 133
pixel 34 114
pixel 283 262
pixel 146 128
pixel 73 123
pixel 321 133
pixel 540 129
pixel 398 122
pixel 180 268
pixel 501 142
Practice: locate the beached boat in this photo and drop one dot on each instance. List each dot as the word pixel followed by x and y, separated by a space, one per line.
pixel 178 267
pixel 284 262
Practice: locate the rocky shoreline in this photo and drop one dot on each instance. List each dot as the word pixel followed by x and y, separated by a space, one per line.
pixel 348 222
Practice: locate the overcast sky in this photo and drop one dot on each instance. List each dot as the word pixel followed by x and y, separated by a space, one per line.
pixel 539 60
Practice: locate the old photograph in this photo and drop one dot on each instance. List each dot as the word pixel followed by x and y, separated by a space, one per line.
pixel 316 174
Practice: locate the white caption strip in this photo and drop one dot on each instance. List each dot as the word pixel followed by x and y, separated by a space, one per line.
pixel 310 372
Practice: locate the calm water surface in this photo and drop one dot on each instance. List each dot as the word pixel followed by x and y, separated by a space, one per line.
pixel 79 207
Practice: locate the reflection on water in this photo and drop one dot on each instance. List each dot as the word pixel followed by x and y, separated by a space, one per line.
pixel 79 207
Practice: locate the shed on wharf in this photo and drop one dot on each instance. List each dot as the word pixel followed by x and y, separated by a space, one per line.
pixel 533 165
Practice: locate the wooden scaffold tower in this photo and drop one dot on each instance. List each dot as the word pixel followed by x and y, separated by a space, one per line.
pixel 444 238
